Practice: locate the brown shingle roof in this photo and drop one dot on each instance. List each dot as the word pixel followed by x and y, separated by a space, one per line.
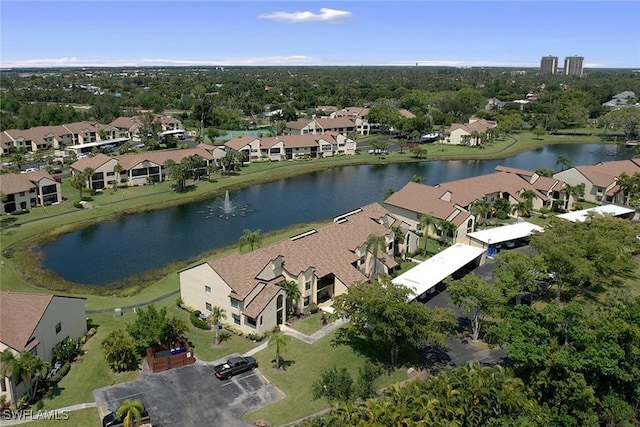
pixel 338 122
pixel 91 162
pixel 255 307
pixel 423 199
pixel 240 142
pixel 466 191
pixel 605 173
pixel 329 250
pixel 79 127
pixel 20 313
pixel 12 183
pixel 128 161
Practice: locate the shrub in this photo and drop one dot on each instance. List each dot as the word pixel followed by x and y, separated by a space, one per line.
pixel 313 308
pixel 197 321
pixel 229 327
pixel 64 370
pixel 91 332
pixel 87 199
pixel 256 337
pixel 78 205
pixel 179 302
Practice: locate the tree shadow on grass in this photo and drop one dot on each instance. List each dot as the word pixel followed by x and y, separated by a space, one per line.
pixel 284 364
pixel 374 350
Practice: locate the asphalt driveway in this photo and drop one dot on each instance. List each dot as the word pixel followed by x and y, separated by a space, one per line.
pixel 192 396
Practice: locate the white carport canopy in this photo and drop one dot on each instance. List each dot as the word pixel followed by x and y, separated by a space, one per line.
pixel 429 273
pixel 504 233
pixel 582 215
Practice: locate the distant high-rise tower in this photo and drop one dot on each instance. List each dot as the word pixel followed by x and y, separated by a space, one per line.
pixel 549 65
pixel 573 65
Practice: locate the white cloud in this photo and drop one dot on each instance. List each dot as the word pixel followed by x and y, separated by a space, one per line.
pixel 325 15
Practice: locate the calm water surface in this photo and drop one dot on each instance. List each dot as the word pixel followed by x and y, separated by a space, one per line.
pixel 114 250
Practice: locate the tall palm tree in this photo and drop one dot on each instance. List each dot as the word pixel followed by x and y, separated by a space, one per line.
pixel 217 314
pixel 293 294
pixel 130 411
pixel 280 342
pixel 481 209
pixel 575 192
pixel 26 367
pixel 375 243
pixel 78 182
pixel 117 170
pixel 251 238
pixel 528 196
pixel 448 229
pixel 87 173
pixel 425 224
pixel 630 186
pixel 563 161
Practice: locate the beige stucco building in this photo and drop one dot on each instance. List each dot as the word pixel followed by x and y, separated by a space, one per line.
pixel 323 263
pixel 26 190
pixel 36 323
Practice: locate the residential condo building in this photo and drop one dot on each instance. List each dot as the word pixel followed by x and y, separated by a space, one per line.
pixel 573 66
pixel 549 65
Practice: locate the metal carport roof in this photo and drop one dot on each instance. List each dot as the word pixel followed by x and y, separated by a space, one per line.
pixel 579 216
pixel 429 273
pixel 504 233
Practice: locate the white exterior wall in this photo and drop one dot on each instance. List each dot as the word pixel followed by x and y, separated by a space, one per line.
pixel 193 294
pixel 456 136
pixel 572 176
pixel 70 314
pixel 142 179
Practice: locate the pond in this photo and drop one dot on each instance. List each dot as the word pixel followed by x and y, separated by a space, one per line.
pixel 129 245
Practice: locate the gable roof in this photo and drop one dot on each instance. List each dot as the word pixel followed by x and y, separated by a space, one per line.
pixel 91 162
pixel 423 199
pixel 240 142
pixel 12 183
pixel 20 313
pixel 604 174
pixel 330 249
pixel 479 125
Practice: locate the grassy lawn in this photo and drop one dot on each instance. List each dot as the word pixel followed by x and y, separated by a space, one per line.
pixel 83 417
pixel 309 324
pixel 305 364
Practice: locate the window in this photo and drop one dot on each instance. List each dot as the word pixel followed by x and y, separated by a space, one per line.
pixel 207 289
pixel 249 321
pixel 58 327
pixel 111 173
pixel 3 385
pixel 260 320
pixel 307 300
pixel 235 303
pixel 207 306
pixel 307 285
pixel 236 318
pixel 279 302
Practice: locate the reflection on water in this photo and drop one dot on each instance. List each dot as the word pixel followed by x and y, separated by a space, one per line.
pixel 129 245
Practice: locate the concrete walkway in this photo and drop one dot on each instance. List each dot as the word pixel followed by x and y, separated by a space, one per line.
pixel 309 339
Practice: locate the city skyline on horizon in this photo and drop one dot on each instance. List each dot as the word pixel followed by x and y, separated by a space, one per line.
pixel 309 33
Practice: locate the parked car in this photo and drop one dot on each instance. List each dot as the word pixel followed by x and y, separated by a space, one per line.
pixel 235 365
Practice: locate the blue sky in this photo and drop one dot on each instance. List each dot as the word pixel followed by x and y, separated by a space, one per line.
pixel 457 33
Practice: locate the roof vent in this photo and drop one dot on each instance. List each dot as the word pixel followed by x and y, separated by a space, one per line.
pixel 305 234
pixel 344 216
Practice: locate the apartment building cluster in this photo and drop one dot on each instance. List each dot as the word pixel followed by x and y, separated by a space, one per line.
pixel 325 262
pixel 572 65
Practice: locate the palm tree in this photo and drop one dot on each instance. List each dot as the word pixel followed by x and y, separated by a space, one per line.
pixel 26 367
pixel 217 314
pixel 77 182
pixel 87 173
pixel 251 238
pixel 280 342
pixel 481 209
pixel 630 186
pixel 130 411
pixel 425 224
pixel 448 229
pixel 117 170
pixel 293 294
pixel 576 192
pixel 528 196
pixel 564 161
pixel 375 243
pixel 417 178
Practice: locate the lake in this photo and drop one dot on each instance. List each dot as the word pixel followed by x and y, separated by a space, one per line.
pixel 129 245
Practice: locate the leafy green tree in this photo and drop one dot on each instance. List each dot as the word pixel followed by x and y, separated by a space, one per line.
pixel 448 229
pixel 293 294
pixel 518 274
pixel 154 327
pixel 576 193
pixel 380 312
pixel 402 143
pixel 119 350
pixel 545 172
pixel 334 384
pixel 630 187
pixel 78 182
pixel 476 298
pixel 280 341
pixel 501 207
pixel 367 374
pixel 376 243
pixel 130 411
pixel 379 147
pixel 625 120
pixel 178 173
pixel 419 152
pixel 251 238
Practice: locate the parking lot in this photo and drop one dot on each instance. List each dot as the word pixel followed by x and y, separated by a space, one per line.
pixel 192 396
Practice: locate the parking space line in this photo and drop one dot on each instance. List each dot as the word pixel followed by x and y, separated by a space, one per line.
pixel 279 391
pixel 265 379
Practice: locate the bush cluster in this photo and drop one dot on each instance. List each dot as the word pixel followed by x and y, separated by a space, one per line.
pixel 64 370
pixel 197 321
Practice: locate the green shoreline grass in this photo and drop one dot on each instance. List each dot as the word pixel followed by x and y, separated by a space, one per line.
pixel 21 266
